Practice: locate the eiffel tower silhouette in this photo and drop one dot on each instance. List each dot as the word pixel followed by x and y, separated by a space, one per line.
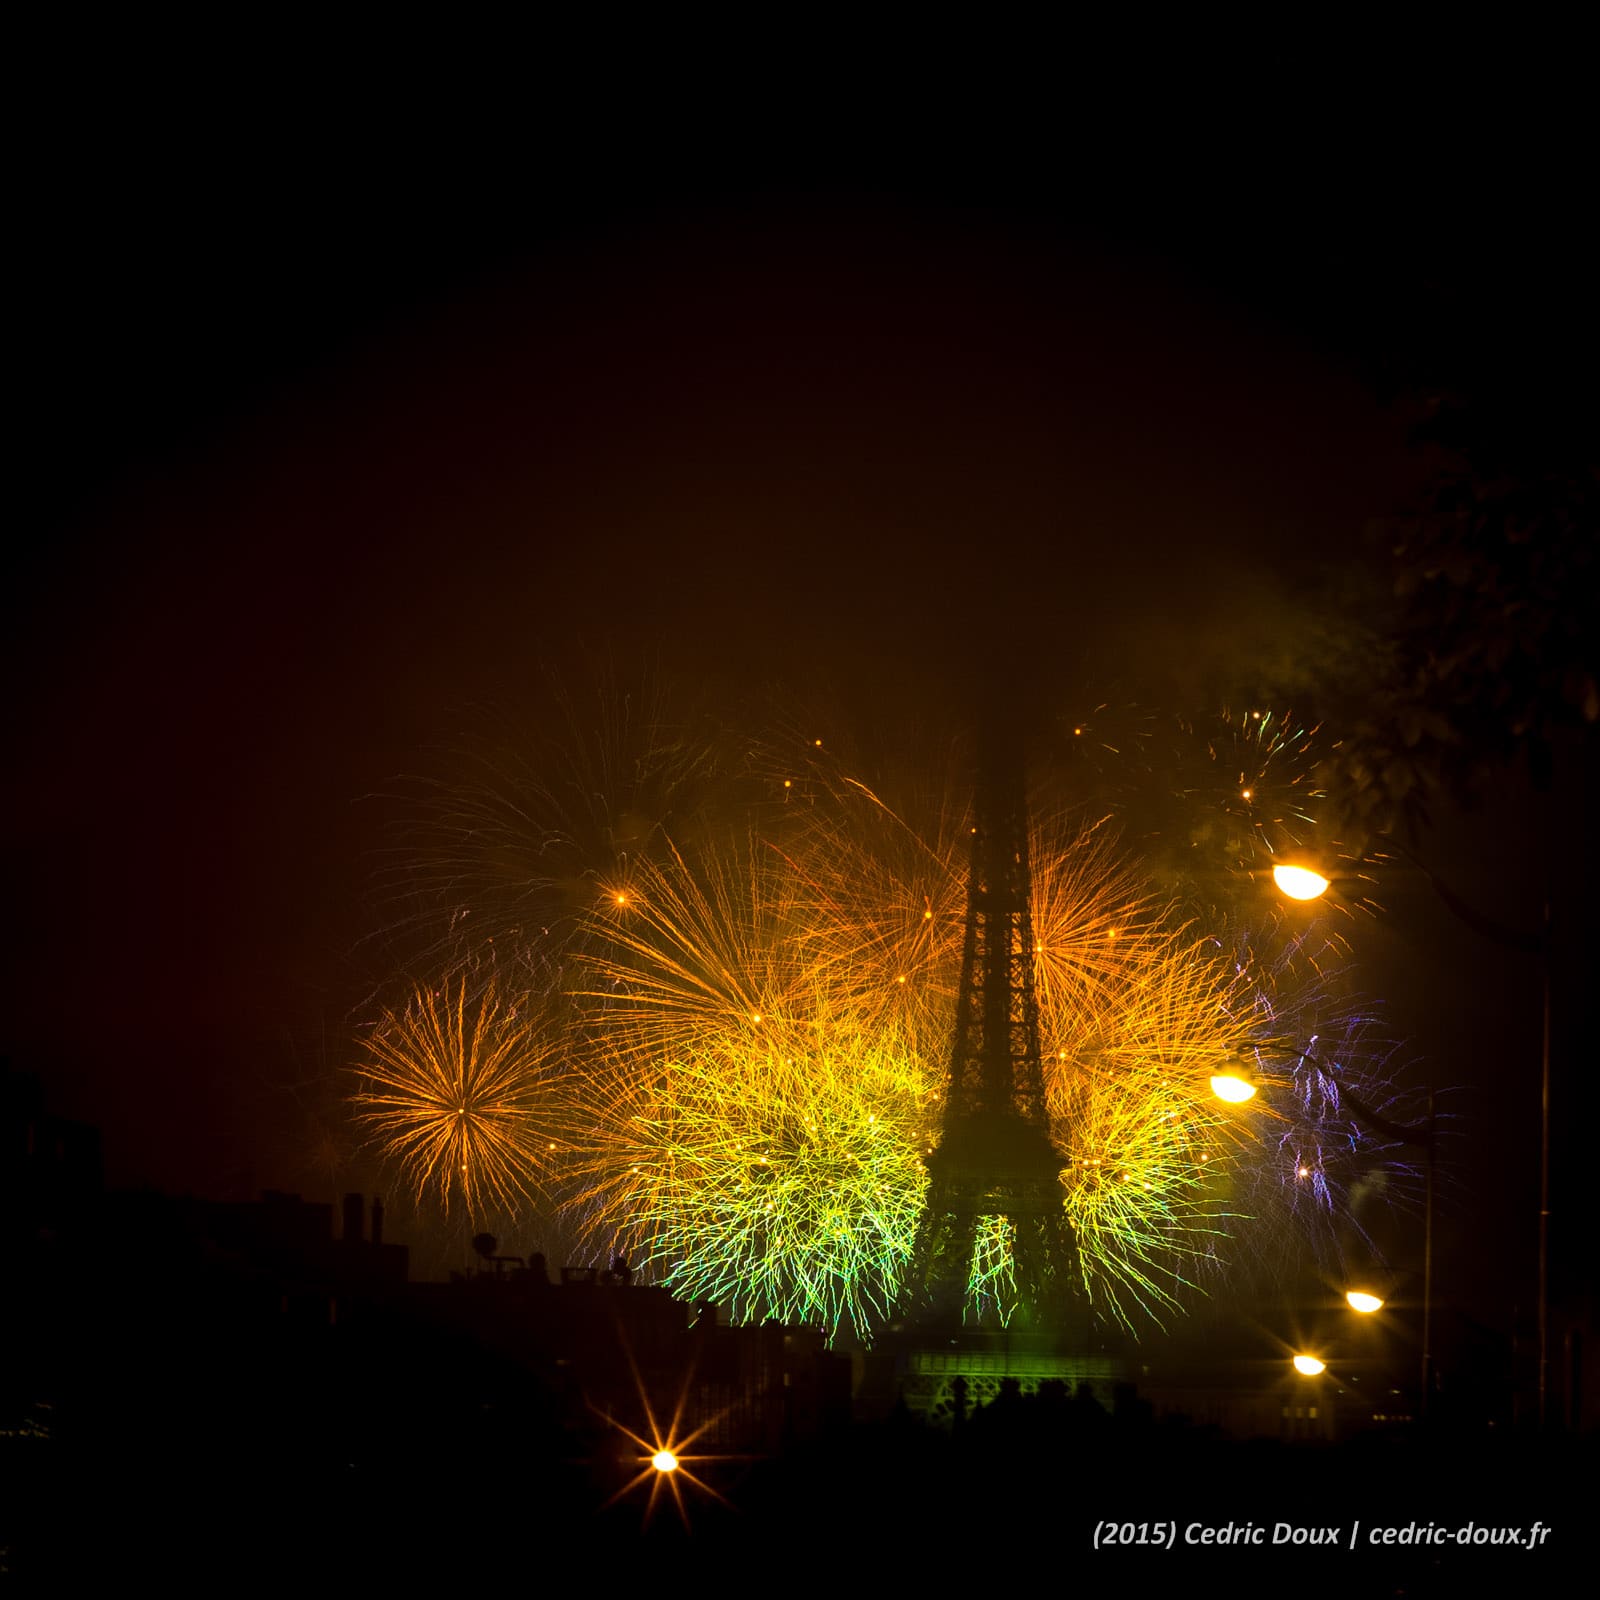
pixel 994 1248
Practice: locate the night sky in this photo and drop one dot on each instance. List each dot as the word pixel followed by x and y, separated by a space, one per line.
pixel 331 441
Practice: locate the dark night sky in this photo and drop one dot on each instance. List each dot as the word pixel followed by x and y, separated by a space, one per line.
pixel 329 440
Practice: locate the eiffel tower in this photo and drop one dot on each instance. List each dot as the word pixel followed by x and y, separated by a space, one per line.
pixel 992 1293
pixel 994 1242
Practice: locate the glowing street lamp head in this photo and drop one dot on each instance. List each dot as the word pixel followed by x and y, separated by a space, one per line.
pixel 1360 1300
pixel 664 1461
pixel 1299 883
pixel 1232 1082
pixel 1309 1366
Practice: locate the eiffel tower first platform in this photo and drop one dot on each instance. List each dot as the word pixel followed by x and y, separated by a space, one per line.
pixel 993 1291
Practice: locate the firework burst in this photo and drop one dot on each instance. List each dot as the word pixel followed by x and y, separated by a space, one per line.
pixel 749 1134
pixel 455 1091
pixel 780 1176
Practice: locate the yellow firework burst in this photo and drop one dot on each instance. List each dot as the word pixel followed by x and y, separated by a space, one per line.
pixel 1153 1153
pixel 752 1133
pixel 779 1176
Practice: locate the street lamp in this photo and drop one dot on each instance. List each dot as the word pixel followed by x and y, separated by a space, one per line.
pixel 1309 1366
pixel 1420 1137
pixel 1233 1081
pixel 1424 1138
pixel 1301 882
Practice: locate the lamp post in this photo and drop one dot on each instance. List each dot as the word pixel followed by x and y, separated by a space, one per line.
pixel 1225 1084
pixel 1303 881
pixel 1424 1138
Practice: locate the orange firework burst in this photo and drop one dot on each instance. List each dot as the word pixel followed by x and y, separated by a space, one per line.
pixel 456 1090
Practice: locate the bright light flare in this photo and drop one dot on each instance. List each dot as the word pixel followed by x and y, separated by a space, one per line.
pixel 1360 1300
pixel 665 1459
pixel 1309 1366
pixel 1232 1087
pixel 1299 883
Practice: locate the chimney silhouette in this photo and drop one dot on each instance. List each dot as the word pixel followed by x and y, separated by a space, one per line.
pixel 354 1205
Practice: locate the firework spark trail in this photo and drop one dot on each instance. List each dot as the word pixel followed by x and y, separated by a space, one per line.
pixel 992 1283
pixel 691 951
pixel 878 904
pixel 880 900
pixel 1303 1161
pixel 1267 760
pixel 512 842
pixel 455 1090
pixel 1320 1156
pixel 1094 920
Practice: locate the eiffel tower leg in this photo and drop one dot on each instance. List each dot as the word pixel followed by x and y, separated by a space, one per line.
pixel 941 1266
pixel 1047 1274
